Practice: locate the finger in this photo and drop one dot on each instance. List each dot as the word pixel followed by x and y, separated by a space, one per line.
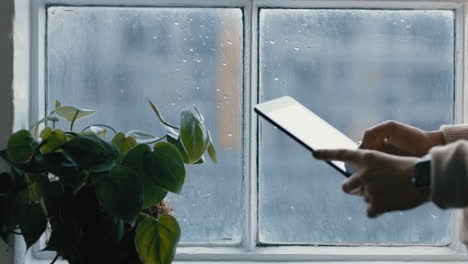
pixel 346 155
pixel 357 191
pixel 354 184
pixel 366 195
pixel 373 211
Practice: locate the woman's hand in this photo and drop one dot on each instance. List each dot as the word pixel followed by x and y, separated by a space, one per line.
pixel 383 180
pixel 399 139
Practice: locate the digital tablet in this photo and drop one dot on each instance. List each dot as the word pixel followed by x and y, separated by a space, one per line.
pixel 307 128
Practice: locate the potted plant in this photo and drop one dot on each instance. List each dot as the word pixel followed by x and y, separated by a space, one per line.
pixel 101 201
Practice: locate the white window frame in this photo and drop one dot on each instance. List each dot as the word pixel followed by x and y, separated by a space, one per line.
pixel 29 87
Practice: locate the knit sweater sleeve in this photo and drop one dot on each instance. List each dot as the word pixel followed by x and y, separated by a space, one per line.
pixel 449 172
pixel 453 133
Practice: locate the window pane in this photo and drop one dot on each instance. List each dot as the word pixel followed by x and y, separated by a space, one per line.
pixel 113 58
pixel 354 68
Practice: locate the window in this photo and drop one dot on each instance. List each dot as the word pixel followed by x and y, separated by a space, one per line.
pixel 177 57
pixel 355 68
pixel 356 63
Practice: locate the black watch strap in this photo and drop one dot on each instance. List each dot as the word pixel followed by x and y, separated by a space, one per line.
pixel 422 172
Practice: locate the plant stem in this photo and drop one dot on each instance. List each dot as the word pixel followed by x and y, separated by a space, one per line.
pixel 158 114
pixel 55 259
pixel 82 184
pixel 144 215
pixel 73 120
pixel 157 140
pixel 33 192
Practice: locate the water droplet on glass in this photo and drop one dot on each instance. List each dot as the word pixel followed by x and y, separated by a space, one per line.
pixel 286 41
pixel 184 61
pixel 292 207
pixel 296 48
pixel 172 103
pixel 155 37
pixel 272 42
pixel 217 89
pixel 224 64
pixel 191 50
pixel 350 218
pixel 225 97
pixel 229 42
pixel 198 60
pixel 176 23
pixel 229 134
pixel 197 88
pixel 277 78
pixel 178 98
pixel 402 21
pixel 177 69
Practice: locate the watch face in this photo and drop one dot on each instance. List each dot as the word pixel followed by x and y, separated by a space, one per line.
pixel 422 173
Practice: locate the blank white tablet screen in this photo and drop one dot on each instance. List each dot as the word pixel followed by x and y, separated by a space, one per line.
pixel 306 126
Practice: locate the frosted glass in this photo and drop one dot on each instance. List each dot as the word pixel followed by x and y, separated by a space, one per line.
pixel 354 68
pixel 112 58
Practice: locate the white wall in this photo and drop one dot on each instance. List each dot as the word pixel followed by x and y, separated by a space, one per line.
pixel 6 91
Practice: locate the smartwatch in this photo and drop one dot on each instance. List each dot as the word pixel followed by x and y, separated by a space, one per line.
pixel 422 172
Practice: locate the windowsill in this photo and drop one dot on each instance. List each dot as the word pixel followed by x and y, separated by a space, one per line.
pixel 330 254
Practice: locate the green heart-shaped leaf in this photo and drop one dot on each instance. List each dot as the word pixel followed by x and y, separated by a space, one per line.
pixel 135 157
pixel 30 218
pixel 124 143
pixel 61 165
pixel 194 136
pixel 54 139
pixel 35 126
pixel 89 151
pixel 120 193
pixel 152 194
pixel 142 137
pixel 211 149
pixel 21 147
pixel 180 147
pixel 98 131
pixel 200 161
pixel 72 114
pixel 165 167
pixel 156 241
